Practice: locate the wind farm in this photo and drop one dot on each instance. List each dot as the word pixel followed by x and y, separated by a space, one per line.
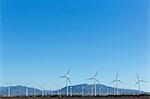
pixel 74 49
pixel 96 90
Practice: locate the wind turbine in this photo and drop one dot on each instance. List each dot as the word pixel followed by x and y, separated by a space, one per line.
pixel 50 92
pixel 9 89
pixel 82 90
pixel 117 81
pixel 57 90
pixel 107 89
pixel 95 80
pixel 139 81
pixel 67 80
pixel 26 90
pixel 70 90
pixel 34 92
pixel 100 90
pixel 60 92
pixel 91 91
pixel 43 90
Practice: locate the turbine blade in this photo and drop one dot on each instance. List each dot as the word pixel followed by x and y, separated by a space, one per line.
pixel 96 74
pixel 120 81
pixel 136 83
pixel 113 81
pixel 97 81
pixel 62 76
pixel 68 80
pixel 90 78
pixel 137 76
pixel 142 81
pixel 68 71
pixel 117 75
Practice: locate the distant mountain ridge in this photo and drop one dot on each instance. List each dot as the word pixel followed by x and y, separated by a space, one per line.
pixel 76 90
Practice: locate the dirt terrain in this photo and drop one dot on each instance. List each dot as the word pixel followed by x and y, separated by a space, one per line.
pixel 109 97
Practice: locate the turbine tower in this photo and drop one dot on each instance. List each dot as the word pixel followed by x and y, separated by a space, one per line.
pixel 117 81
pixel 34 92
pixel 100 90
pixel 91 91
pixel 43 91
pixel 82 90
pixel 9 89
pixel 95 80
pixel 70 90
pixel 50 92
pixel 107 91
pixel 58 93
pixel 26 90
pixel 67 80
pixel 139 81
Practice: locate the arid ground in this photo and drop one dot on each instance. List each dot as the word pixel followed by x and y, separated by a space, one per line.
pixel 110 97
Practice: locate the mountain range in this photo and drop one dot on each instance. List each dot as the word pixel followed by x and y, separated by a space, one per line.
pixel 75 90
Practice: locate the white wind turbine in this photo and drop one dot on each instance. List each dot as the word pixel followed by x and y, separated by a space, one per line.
pixel 95 80
pixel 91 91
pixel 50 92
pixel 67 80
pixel 58 92
pixel 26 90
pixel 82 90
pixel 70 90
pixel 9 89
pixel 100 90
pixel 117 81
pixel 34 92
pixel 139 81
pixel 43 91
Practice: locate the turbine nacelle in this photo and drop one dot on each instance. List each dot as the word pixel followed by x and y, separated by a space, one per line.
pixel 67 76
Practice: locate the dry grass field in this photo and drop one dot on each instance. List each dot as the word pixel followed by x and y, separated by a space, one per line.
pixel 109 97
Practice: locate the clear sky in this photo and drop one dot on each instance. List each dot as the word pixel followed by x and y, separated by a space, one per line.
pixel 41 39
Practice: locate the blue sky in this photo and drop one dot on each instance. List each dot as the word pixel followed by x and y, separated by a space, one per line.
pixel 42 39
